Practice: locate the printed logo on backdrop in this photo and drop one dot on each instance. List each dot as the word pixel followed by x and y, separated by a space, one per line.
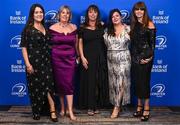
pixel 158 90
pixel 161 42
pixel 18 18
pixel 15 42
pixel 18 67
pixel 19 90
pixel 160 66
pixel 82 19
pixel 161 18
pixel 51 17
pixel 125 16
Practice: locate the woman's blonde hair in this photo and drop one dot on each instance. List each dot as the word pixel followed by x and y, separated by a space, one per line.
pixel 61 9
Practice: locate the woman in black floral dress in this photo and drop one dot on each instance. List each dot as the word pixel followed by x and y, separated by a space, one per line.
pixel 34 43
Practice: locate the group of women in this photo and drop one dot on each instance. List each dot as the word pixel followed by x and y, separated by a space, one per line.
pixel 110 56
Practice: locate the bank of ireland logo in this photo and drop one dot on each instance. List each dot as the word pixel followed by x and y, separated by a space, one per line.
pixel 19 90
pixel 158 90
pixel 125 15
pixel 15 42
pixel 161 42
pixel 18 18
pixel 51 16
pixel 159 61
pixel 161 18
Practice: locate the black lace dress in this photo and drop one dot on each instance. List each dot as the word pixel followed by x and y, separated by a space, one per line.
pixel 142 47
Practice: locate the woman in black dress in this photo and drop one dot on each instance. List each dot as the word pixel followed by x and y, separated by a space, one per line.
pixel 143 44
pixel 93 72
pixel 35 50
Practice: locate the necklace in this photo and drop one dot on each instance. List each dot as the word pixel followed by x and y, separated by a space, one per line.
pixel 63 25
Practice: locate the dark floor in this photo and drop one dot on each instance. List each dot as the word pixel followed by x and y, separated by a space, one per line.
pixel 159 115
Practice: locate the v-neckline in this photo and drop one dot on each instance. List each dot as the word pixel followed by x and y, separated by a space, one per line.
pixel 44 34
pixel 120 34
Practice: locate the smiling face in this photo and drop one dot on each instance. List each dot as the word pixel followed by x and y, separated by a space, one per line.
pixel 139 12
pixel 92 14
pixel 116 18
pixel 38 14
pixel 64 15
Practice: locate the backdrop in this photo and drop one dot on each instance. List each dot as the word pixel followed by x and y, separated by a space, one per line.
pixel 165 73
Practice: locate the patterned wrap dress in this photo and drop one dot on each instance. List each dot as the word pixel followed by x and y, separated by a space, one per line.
pixel 119 64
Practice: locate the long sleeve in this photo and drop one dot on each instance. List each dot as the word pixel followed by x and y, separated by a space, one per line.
pixel 152 40
pixel 136 57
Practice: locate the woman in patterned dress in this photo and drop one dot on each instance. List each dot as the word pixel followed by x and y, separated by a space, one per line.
pixel 64 53
pixel 119 61
pixel 35 50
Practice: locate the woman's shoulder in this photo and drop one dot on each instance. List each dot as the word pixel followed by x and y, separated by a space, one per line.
pixel 127 27
pixel 53 26
pixel 82 26
pixel 151 25
pixel 105 33
pixel 27 31
pixel 74 27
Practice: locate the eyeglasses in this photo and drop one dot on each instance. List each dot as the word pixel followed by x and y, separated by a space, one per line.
pixel 139 8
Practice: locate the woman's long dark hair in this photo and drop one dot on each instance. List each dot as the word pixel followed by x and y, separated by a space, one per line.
pixel 30 21
pixel 145 19
pixel 98 20
pixel 110 29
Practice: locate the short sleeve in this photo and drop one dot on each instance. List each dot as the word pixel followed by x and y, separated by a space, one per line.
pixel 80 32
pixel 105 34
pixel 127 27
pixel 23 40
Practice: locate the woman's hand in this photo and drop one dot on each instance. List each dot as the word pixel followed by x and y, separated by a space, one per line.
pixel 30 69
pixel 145 61
pixel 84 62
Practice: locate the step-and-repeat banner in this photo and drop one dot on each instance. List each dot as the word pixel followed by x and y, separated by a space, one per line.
pixel 165 87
